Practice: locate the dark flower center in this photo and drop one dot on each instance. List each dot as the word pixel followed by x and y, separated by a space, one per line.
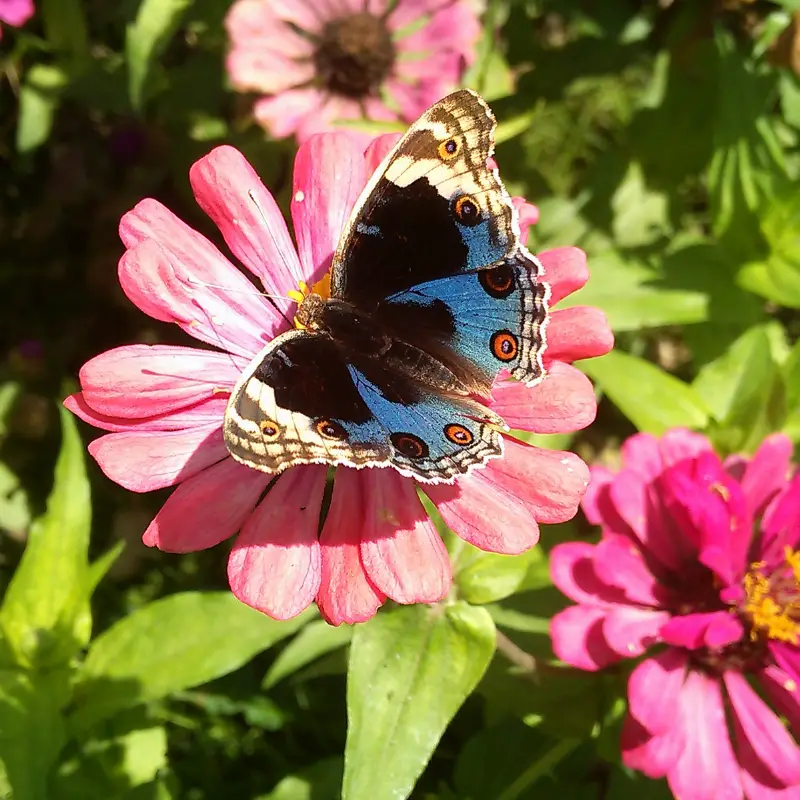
pixel 354 55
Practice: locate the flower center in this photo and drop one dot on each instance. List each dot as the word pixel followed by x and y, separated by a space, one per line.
pixel 354 55
pixel 772 600
pixel 310 301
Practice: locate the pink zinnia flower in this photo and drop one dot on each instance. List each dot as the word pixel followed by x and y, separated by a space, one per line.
pixel 699 557
pixel 15 12
pixel 319 63
pixel 164 405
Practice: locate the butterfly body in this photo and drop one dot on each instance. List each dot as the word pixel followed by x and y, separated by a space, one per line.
pixel 432 294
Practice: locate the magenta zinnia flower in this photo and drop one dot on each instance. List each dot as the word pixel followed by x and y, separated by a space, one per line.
pixel 164 405
pixel 697 559
pixel 15 12
pixel 318 63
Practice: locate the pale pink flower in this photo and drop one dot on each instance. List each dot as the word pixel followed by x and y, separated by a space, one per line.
pixel 317 62
pixel 696 568
pixel 164 405
pixel 15 12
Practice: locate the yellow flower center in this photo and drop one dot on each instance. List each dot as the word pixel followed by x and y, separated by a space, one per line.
pixel 773 600
pixel 322 288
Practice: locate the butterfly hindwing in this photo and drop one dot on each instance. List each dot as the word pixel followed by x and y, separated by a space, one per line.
pixel 493 319
pixel 434 208
pixel 303 402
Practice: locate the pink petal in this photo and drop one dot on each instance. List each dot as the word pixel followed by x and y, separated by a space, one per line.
pixel 765 733
pixel 656 755
pixel 346 594
pixel 642 455
pixel 619 563
pixel 228 189
pixel 401 550
pixel 638 505
pixel 485 514
pixel 573 571
pixel 206 508
pixel 782 691
pixel 767 472
pixel 565 270
pixel 596 502
pixel 275 564
pixel 787 657
pixel 707 768
pixel 378 149
pixel 527 215
pixel 563 402
pixel 576 333
pixel 191 284
pixel 266 71
pixel 284 114
pixel 16 12
pixel 629 632
pixel 577 635
pixel 259 22
pixel 654 689
pixel 679 444
pixel 451 27
pixel 206 412
pixel 780 524
pixel 138 381
pixel 711 629
pixel 143 462
pixel 329 174
pixel 549 482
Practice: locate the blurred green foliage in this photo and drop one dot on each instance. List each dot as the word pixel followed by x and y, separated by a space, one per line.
pixel 659 135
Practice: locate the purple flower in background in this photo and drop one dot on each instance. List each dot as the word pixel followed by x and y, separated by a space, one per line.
pixel 699 559
pixel 15 12
pixel 317 63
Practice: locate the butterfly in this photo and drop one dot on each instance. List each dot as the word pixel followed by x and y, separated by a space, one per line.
pixel 432 294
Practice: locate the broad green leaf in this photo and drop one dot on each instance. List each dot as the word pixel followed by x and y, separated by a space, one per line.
pixel 780 225
pixel 15 511
pixel 9 392
pixel 488 577
pixel 147 38
pixel 653 400
pixel 65 28
pixel 321 781
pixel 495 757
pixel 39 99
pixel 791 379
pixel 315 640
pixel 171 644
pixel 641 214
pixel 47 592
pixel 737 389
pixel 31 729
pixel 625 290
pixel 410 670
pixel 125 758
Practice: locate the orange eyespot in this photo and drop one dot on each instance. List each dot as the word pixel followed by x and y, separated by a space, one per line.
pixel 409 445
pixel 449 149
pixel 504 345
pixel 497 282
pixel 329 429
pixel 467 211
pixel 269 430
pixel 458 434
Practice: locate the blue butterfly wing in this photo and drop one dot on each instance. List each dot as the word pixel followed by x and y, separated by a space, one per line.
pixel 493 319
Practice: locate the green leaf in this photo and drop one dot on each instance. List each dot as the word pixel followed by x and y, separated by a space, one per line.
pixel 791 379
pixel 488 577
pixel 653 400
pixel 47 592
pixel 641 214
pixel 147 38
pixel 321 781
pixel 15 511
pixel 410 670
pixel 737 388
pixel 9 392
pixel 65 28
pixel 31 730
pixel 171 644
pixel 315 640
pixel 39 98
